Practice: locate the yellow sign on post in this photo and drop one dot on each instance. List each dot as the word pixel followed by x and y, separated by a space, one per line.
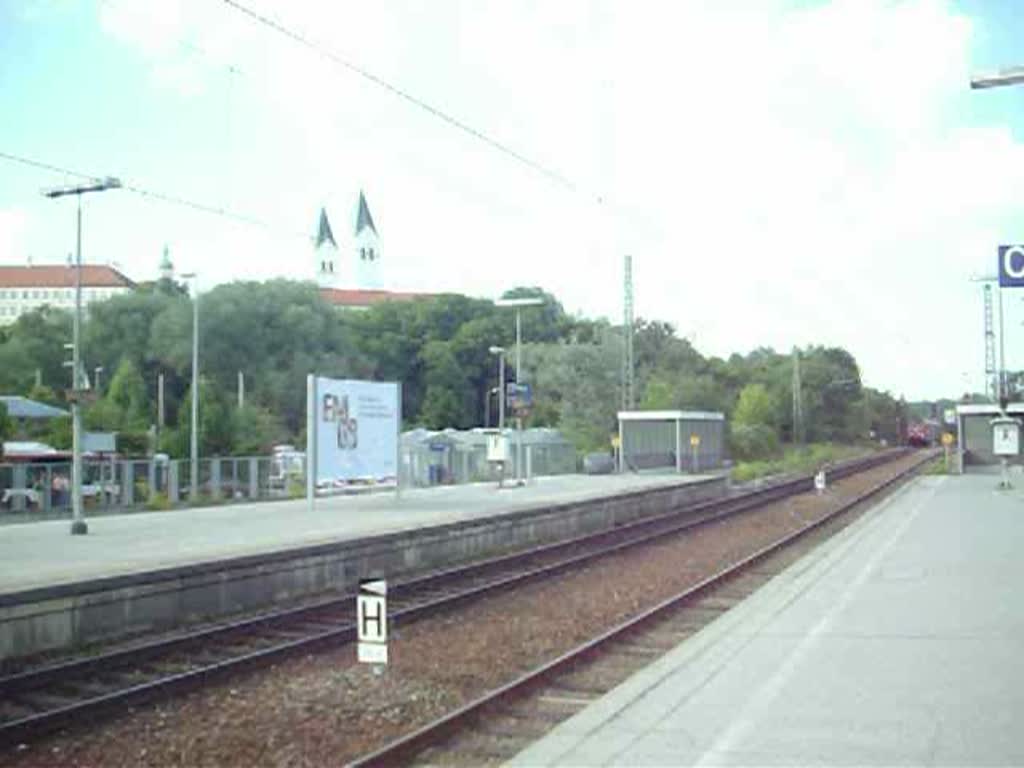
pixel 615 441
pixel 694 440
pixel 947 438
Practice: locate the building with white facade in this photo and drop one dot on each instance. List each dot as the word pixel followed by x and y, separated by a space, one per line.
pixel 29 287
pixel 351 275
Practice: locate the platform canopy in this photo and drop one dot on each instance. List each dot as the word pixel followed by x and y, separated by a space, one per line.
pixel 22 408
pixel 692 440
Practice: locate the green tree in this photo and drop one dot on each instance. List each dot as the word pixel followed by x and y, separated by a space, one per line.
pixel 755 407
pixel 658 394
pixel 445 403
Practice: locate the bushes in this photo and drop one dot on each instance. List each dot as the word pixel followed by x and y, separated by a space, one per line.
pixel 754 441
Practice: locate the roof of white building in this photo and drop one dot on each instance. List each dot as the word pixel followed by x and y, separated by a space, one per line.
pixel 54 276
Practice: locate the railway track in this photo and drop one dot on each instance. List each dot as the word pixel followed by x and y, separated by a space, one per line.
pixel 499 724
pixel 43 699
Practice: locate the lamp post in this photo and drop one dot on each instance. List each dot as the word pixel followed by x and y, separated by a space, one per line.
pixel 518 304
pixel 500 352
pixel 78 524
pixel 1008 76
pixel 193 471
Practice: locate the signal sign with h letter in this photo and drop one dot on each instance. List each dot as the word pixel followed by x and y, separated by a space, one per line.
pixel 372 621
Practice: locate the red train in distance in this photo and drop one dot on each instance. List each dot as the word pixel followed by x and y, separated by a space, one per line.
pixel 923 434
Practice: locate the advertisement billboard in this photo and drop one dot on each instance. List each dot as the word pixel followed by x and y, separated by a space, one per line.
pixel 356 424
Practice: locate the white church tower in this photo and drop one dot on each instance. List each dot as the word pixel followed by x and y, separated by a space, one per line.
pixel 325 251
pixel 366 249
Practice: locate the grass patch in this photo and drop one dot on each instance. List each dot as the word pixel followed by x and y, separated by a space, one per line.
pixel 797 460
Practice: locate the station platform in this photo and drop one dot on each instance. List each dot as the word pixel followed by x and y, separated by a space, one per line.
pixel 897 642
pixel 42 554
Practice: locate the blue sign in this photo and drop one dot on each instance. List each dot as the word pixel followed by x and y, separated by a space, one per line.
pixel 1011 266
pixel 520 396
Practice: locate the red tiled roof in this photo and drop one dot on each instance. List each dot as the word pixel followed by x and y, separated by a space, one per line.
pixel 93 276
pixel 344 297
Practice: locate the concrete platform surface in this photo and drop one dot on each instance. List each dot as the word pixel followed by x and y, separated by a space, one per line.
pixel 42 554
pixel 898 642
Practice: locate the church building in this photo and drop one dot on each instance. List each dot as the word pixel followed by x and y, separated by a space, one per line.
pixel 351 276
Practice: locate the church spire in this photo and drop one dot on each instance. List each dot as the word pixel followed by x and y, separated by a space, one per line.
pixel 363 218
pixel 324 234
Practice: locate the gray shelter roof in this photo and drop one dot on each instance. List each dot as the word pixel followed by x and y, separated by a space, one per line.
pixel 363 217
pixel 671 416
pixel 23 408
pixel 478 437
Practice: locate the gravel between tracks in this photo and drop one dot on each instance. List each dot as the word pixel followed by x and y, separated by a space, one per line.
pixel 325 709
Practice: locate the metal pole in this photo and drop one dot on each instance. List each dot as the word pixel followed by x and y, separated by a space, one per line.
pixel 194 460
pixel 398 440
pixel 160 421
pixel 310 442
pixel 241 390
pixel 78 524
pixel 1002 351
pixel 501 391
pixel 519 419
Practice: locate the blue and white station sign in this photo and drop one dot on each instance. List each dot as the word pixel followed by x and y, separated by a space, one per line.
pixel 1011 266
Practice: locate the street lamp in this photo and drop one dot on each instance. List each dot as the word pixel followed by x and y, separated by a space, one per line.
pixel 78 524
pixel 193 471
pixel 518 304
pixel 1008 76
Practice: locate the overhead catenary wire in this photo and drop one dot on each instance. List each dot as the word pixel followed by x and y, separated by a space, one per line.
pixel 405 95
pixel 153 194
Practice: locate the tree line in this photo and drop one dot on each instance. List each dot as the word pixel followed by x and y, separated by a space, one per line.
pixel 276 332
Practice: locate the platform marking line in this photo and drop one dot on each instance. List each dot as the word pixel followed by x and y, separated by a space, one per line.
pixel 769 691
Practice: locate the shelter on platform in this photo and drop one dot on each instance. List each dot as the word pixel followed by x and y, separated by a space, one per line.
pixel 974 427
pixel 691 441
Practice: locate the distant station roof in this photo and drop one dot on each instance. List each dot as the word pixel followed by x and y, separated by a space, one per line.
pixel 671 416
pixel 987 409
pixel 363 217
pixel 23 408
pixel 344 297
pixel 55 276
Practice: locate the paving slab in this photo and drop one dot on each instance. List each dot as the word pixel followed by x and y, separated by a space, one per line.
pixel 40 554
pixel 897 642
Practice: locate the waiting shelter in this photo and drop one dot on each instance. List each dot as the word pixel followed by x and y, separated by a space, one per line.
pixel 692 441
pixel 974 426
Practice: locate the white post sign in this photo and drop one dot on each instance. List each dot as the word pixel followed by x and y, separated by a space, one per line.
pixel 372 621
pixel 820 481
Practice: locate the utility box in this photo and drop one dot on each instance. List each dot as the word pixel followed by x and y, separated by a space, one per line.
pixel 497 447
pixel 1005 436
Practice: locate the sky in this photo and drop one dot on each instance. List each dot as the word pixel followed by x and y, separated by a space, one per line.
pixel 782 173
